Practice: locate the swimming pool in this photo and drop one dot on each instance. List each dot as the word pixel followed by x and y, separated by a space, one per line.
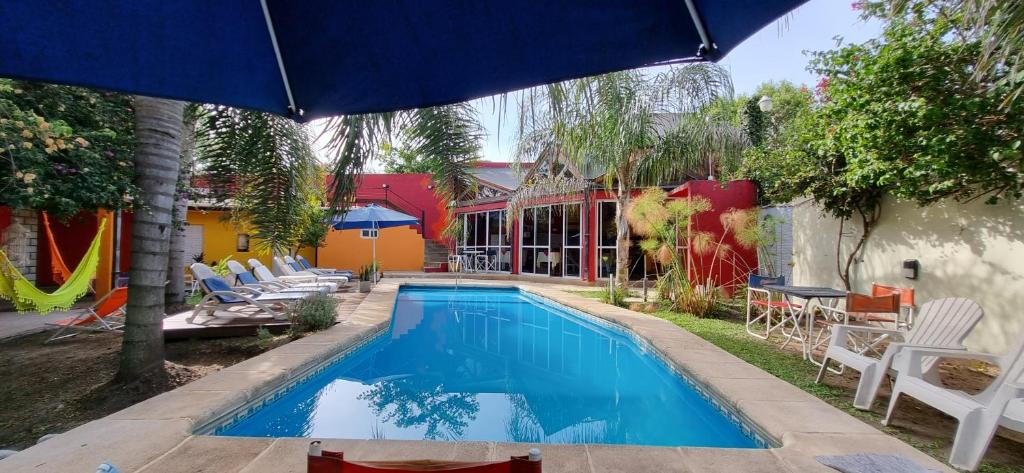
pixel 497 365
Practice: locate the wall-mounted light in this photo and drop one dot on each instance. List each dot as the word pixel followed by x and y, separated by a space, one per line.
pixel 385 186
pixel 910 268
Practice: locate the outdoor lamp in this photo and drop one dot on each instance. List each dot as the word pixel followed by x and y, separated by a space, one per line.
pixel 765 104
pixel 385 186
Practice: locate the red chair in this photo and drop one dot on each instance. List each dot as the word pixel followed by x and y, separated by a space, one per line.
pixel 106 315
pixel 322 461
pixel 906 302
pixel 761 305
pixel 859 309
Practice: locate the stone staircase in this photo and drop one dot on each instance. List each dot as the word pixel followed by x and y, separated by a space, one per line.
pixel 435 255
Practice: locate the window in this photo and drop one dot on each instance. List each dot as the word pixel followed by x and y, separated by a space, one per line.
pixel 606 243
pixel 551 240
pixel 483 234
pixel 242 243
pixel 368 233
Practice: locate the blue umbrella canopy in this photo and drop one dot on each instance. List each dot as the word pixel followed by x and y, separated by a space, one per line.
pixel 316 58
pixel 373 216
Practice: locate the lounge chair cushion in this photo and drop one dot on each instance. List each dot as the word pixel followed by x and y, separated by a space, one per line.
pixel 218 284
pixel 246 278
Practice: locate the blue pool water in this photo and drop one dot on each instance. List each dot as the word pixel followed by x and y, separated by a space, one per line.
pixel 498 365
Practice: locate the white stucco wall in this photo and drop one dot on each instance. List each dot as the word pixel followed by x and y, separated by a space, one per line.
pixel 969 250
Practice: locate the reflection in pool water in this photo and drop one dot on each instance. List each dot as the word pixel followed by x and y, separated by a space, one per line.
pixel 489 364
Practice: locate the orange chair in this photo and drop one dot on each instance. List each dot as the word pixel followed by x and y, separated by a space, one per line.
pixel 859 309
pixel 106 315
pixel 322 461
pixel 906 302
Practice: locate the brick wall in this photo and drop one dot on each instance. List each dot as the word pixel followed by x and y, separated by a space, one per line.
pixel 21 241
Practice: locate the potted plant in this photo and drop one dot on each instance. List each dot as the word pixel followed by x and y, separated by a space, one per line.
pixel 365 278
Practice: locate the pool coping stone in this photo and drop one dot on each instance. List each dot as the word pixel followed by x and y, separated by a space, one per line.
pixel 158 435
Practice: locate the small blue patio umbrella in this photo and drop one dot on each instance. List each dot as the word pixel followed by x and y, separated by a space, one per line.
pixel 373 217
pixel 318 58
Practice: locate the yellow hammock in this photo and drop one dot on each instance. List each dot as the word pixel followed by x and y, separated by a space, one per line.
pixel 26 297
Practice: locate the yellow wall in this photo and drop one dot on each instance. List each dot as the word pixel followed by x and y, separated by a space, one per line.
pixel 398 249
pixel 220 239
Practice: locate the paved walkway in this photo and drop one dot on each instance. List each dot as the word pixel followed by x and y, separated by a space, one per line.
pixel 15 324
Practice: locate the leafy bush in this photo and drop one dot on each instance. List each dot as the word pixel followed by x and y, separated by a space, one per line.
pixel 314 313
pixel 616 297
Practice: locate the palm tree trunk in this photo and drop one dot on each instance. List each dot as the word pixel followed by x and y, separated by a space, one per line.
pixel 174 293
pixel 621 238
pixel 158 128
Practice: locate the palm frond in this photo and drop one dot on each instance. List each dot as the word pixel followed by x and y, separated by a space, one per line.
pixel 263 168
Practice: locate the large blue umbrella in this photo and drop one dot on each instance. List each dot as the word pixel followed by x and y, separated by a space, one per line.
pixel 316 58
pixel 373 217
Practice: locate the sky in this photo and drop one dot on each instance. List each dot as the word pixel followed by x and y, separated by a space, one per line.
pixel 775 53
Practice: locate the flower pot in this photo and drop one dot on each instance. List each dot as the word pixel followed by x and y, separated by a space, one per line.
pixel 364 286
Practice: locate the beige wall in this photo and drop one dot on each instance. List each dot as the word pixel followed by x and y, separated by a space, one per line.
pixel 971 250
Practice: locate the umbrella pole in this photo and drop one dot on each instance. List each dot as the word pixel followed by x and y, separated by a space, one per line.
pixel 373 262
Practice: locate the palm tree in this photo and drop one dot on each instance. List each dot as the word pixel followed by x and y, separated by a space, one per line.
pixel 630 128
pixel 263 168
pixel 158 130
pixel 174 293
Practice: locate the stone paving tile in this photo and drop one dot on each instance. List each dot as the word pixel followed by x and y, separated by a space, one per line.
pixel 778 418
pixel 288 455
pixel 744 389
pixel 743 460
pixel 556 458
pixel 800 449
pixel 195 406
pixel 709 370
pixel 271 361
pixel 128 444
pixel 251 383
pixel 632 459
pixel 213 454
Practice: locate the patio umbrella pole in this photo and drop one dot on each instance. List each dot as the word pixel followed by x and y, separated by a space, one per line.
pixel 373 261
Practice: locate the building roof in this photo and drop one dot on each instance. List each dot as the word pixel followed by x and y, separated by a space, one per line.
pixel 501 175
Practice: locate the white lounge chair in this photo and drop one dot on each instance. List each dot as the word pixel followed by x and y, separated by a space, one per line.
pixel 220 296
pixel 280 268
pixel 942 323
pixel 299 263
pixel 241 277
pixel 255 264
pixel 1000 404
pixel 263 274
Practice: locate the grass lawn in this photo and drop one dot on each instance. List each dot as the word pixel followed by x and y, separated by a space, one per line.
pixel 730 335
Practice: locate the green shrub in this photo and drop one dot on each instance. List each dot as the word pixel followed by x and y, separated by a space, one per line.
pixel 314 313
pixel 264 339
pixel 615 297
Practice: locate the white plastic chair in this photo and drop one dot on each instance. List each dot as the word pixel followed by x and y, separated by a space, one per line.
pixel 263 274
pixel 1000 404
pixel 241 277
pixel 942 323
pixel 220 296
pixel 288 270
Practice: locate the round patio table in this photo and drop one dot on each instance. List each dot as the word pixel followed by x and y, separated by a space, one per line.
pixel 809 294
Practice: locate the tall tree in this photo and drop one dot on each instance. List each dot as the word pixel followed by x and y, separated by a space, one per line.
pixel 158 129
pixel 633 129
pixel 174 293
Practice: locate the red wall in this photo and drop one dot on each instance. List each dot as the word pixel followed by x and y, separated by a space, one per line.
pixel 732 269
pixel 73 237
pixel 408 193
pixel 5 219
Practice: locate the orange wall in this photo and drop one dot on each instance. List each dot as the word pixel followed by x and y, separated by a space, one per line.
pixel 220 239
pixel 398 249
